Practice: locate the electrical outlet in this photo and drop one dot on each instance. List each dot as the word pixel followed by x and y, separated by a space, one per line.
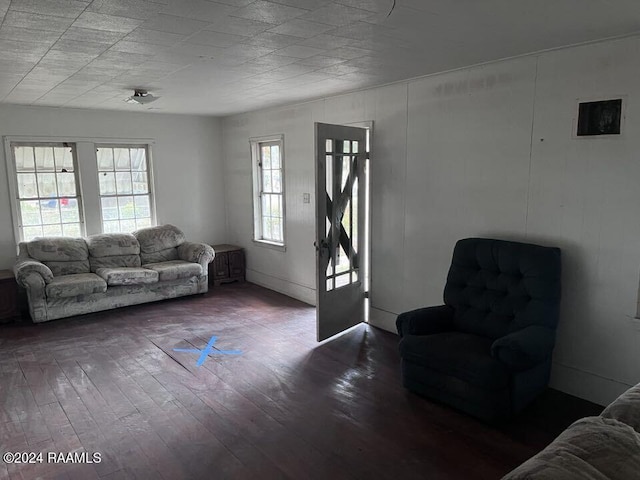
pixel 306 198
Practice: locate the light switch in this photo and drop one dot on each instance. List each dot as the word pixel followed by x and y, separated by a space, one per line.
pixel 306 198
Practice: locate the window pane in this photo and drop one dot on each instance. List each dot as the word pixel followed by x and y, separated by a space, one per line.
pixel 277 229
pixel 329 145
pixel 105 159
pixel 142 207
pixel 140 182
pixel 143 222
pixel 24 159
pixel 44 159
pixel 266 206
pixel 276 181
pixel 121 158
pixel 276 206
pixel 47 185
pixel 30 212
pixel 66 184
pixel 275 156
pixel 123 183
pixel 52 230
pixel 69 212
pixel 50 211
pixel 266 181
pixel 127 226
pixel 111 227
pixel 266 228
pixel 266 157
pixel 63 158
pixel 354 148
pixel 139 159
pixel 109 208
pixel 71 230
pixel 107 183
pixel 29 233
pixel 27 185
pixel 342 280
pixel 126 208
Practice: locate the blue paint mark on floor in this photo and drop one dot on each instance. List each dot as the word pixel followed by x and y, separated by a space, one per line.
pixel 205 352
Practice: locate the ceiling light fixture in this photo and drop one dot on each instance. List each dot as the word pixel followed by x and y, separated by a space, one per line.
pixel 141 97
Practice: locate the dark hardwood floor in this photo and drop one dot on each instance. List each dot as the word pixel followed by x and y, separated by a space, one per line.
pixel 287 407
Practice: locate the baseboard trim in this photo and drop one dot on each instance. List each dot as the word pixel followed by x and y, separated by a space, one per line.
pixel 299 292
pixel 383 319
pixel 585 385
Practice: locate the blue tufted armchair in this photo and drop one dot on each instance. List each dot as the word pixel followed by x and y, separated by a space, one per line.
pixel 487 350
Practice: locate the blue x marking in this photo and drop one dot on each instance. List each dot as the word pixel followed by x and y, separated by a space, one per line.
pixel 204 353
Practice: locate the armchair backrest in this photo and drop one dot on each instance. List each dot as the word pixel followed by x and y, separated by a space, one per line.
pixel 497 287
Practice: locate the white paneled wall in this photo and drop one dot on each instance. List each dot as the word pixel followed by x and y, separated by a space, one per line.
pixel 187 164
pixel 484 151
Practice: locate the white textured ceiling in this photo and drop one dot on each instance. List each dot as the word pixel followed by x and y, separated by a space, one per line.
pixel 228 56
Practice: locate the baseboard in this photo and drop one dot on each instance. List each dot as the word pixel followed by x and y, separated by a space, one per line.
pixel 383 319
pixel 299 292
pixel 586 385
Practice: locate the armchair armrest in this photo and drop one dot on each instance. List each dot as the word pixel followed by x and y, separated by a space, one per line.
pixel 425 321
pixel 525 348
pixel 197 253
pixel 31 273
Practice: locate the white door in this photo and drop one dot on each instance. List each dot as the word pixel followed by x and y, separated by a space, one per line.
pixel 340 229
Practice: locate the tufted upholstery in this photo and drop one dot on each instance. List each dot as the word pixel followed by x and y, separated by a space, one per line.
pixel 487 350
pixel 497 287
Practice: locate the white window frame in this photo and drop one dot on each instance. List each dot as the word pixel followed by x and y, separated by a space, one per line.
pixel 14 189
pixel 151 194
pixel 256 170
pixel 86 176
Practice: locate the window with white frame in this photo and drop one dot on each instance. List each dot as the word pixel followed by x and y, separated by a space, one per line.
pixel 268 181
pixel 55 190
pixel 47 194
pixel 124 185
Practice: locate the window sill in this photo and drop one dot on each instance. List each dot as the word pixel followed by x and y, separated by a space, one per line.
pixel 281 247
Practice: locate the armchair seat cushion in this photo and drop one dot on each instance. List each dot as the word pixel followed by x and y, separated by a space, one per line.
pixel 461 355
pixel 75 284
pixel 127 275
pixel 175 269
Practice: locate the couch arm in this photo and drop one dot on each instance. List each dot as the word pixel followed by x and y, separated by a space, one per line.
pixel 425 321
pixel 28 271
pixel 525 348
pixel 198 253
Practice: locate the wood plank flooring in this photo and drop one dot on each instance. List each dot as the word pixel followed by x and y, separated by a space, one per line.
pixel 286 408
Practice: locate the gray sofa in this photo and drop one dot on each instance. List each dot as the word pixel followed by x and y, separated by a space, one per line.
pixel 72 276
pixel 602 447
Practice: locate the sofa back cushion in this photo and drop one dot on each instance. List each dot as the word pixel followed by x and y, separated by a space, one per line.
pixel 159 244
pixel 113 250
pixel 497 287
pixel 63 255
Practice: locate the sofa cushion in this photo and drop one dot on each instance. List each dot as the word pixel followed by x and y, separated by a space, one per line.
pixel 75 284
pixel 114 261
pixel 112 244
pixel 461 355
pixel 175 269
pixel 58 249
pixel 68 268
pixel 626 408
pixel 591 448
pixel 155 239
pixel 165 255
pixel 127 275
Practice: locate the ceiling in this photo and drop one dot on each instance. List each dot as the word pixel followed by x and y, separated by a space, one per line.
pixel 229 56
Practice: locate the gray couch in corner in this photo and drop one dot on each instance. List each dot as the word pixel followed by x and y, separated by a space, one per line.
pixel 602 447
pixel 72 276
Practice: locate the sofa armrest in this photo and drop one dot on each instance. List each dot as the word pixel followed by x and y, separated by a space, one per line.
pixel 525 348
pixel 425 321
pixel 28 271
pixel 197 253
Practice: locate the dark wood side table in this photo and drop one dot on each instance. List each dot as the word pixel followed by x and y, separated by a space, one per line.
pixel 228 265
pixel 9 300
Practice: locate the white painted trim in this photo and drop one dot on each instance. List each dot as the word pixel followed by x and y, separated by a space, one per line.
pixel 383 319
pixel 75 139
pixel 587 385
pixel 295 290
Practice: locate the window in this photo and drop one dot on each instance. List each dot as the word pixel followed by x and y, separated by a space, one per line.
pixel 125 196
pixel 268 180
pixel 48 198
pixel 80 187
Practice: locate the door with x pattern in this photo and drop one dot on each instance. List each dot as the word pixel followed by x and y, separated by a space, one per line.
pixel 340 230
